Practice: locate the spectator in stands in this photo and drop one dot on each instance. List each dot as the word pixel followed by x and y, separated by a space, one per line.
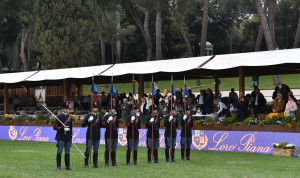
pixel 223 109
pixel 259 102
pixel 86 102
pixel 242 110
pixel 232 96
pixel 209 101
pixel 143 107
pixel 16 102
pixel 291 107
pixel 191 99
pixel 157 97
pixel 178 106
pixel 278 104
pixel 125 108
pixel 255 81
pixel 200 101
pixel 104 100
pixel 275 92
pixel 71 105
pixel 284 91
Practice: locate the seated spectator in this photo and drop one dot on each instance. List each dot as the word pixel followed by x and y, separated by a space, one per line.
pixel 223 109
pixel 242 110
pixel 71 106
pixel 278 104
pixel 291 107
pixel 143 107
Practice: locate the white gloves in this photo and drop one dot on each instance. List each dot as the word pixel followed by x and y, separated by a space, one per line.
pixel 132 119
pixel 151 120
pixel 91 119
pixel 185 117
pixel 137 114
pixel 170 118
pixel 110 119
pixel 66 129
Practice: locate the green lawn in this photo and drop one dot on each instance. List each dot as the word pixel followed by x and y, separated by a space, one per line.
pixel 265 82
pixel 33 159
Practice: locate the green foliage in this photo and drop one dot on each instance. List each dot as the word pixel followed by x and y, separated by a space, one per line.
pixel 207 119
pixel 122 120
pixel 29 119
pixel 247 120
pixel 19 119
pixel 64 32
pixel 40 118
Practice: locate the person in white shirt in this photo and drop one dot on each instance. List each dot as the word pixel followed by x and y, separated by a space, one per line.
pixel 223 109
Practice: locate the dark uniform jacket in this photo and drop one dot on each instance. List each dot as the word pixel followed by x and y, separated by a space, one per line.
pixel 189 127
pixel 137 126
pixel 168 126
pixel 96 126
pixel 61 134
pixel 155 127
pixel 114 129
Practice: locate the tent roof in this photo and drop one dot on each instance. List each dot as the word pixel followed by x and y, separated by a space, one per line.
pixel 255 59
pixel 76 73
pixel 151 67
pixel 15 77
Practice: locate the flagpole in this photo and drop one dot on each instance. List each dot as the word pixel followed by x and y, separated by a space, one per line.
pixel 133 123
pixel 152 117
pixel 110 124
pixel 171 114
pixel 185 114
pixel 91 126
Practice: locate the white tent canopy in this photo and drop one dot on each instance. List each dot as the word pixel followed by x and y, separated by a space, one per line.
pixel 254 59
pixel 150 67
pixel 59 74
pixel 15 77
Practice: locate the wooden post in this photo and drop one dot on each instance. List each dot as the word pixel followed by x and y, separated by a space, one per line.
pixel 241 81
pixel 141 88
pixel 5 99
pixel 27 95
pixel 65 89
pixel 217 91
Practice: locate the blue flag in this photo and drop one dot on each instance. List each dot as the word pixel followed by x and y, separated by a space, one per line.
pixel 185 92
pixel 154 92
pixel 113 90
pixel 134 91
pixel 173 91
pixel 94 89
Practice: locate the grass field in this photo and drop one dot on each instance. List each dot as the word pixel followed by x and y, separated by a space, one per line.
pixel 35 159
pixel 265 82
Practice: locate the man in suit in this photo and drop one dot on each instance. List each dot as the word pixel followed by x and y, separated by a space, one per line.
pixel 259 102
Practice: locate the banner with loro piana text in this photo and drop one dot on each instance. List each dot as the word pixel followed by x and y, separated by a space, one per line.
pixel 231 141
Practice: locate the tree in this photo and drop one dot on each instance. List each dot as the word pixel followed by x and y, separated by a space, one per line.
pixel 297 36
pixel 181 26
pixel 204 28
pixel 22 12
pixel 158 53
pixel 64 33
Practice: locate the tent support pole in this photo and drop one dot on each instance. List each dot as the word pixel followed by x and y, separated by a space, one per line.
pixel 141 88
pixel 5 99
pixel 241 82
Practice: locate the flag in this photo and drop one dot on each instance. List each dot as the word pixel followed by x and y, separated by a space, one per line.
pixel 113 90
pixel 154 92
pixel 94 89
pixel 185 92
pixel 173 91
pixel 134 91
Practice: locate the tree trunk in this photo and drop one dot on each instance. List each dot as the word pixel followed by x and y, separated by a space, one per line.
pixel 264 25
pixel 102 43
pixel 272 4
pixel 231 36
pixel 118 15
pixel 296 41
pixel 158 53
pixel 260 32
pixel 1 66
pixel 182 31
pixel 204 28
pixel 15 57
